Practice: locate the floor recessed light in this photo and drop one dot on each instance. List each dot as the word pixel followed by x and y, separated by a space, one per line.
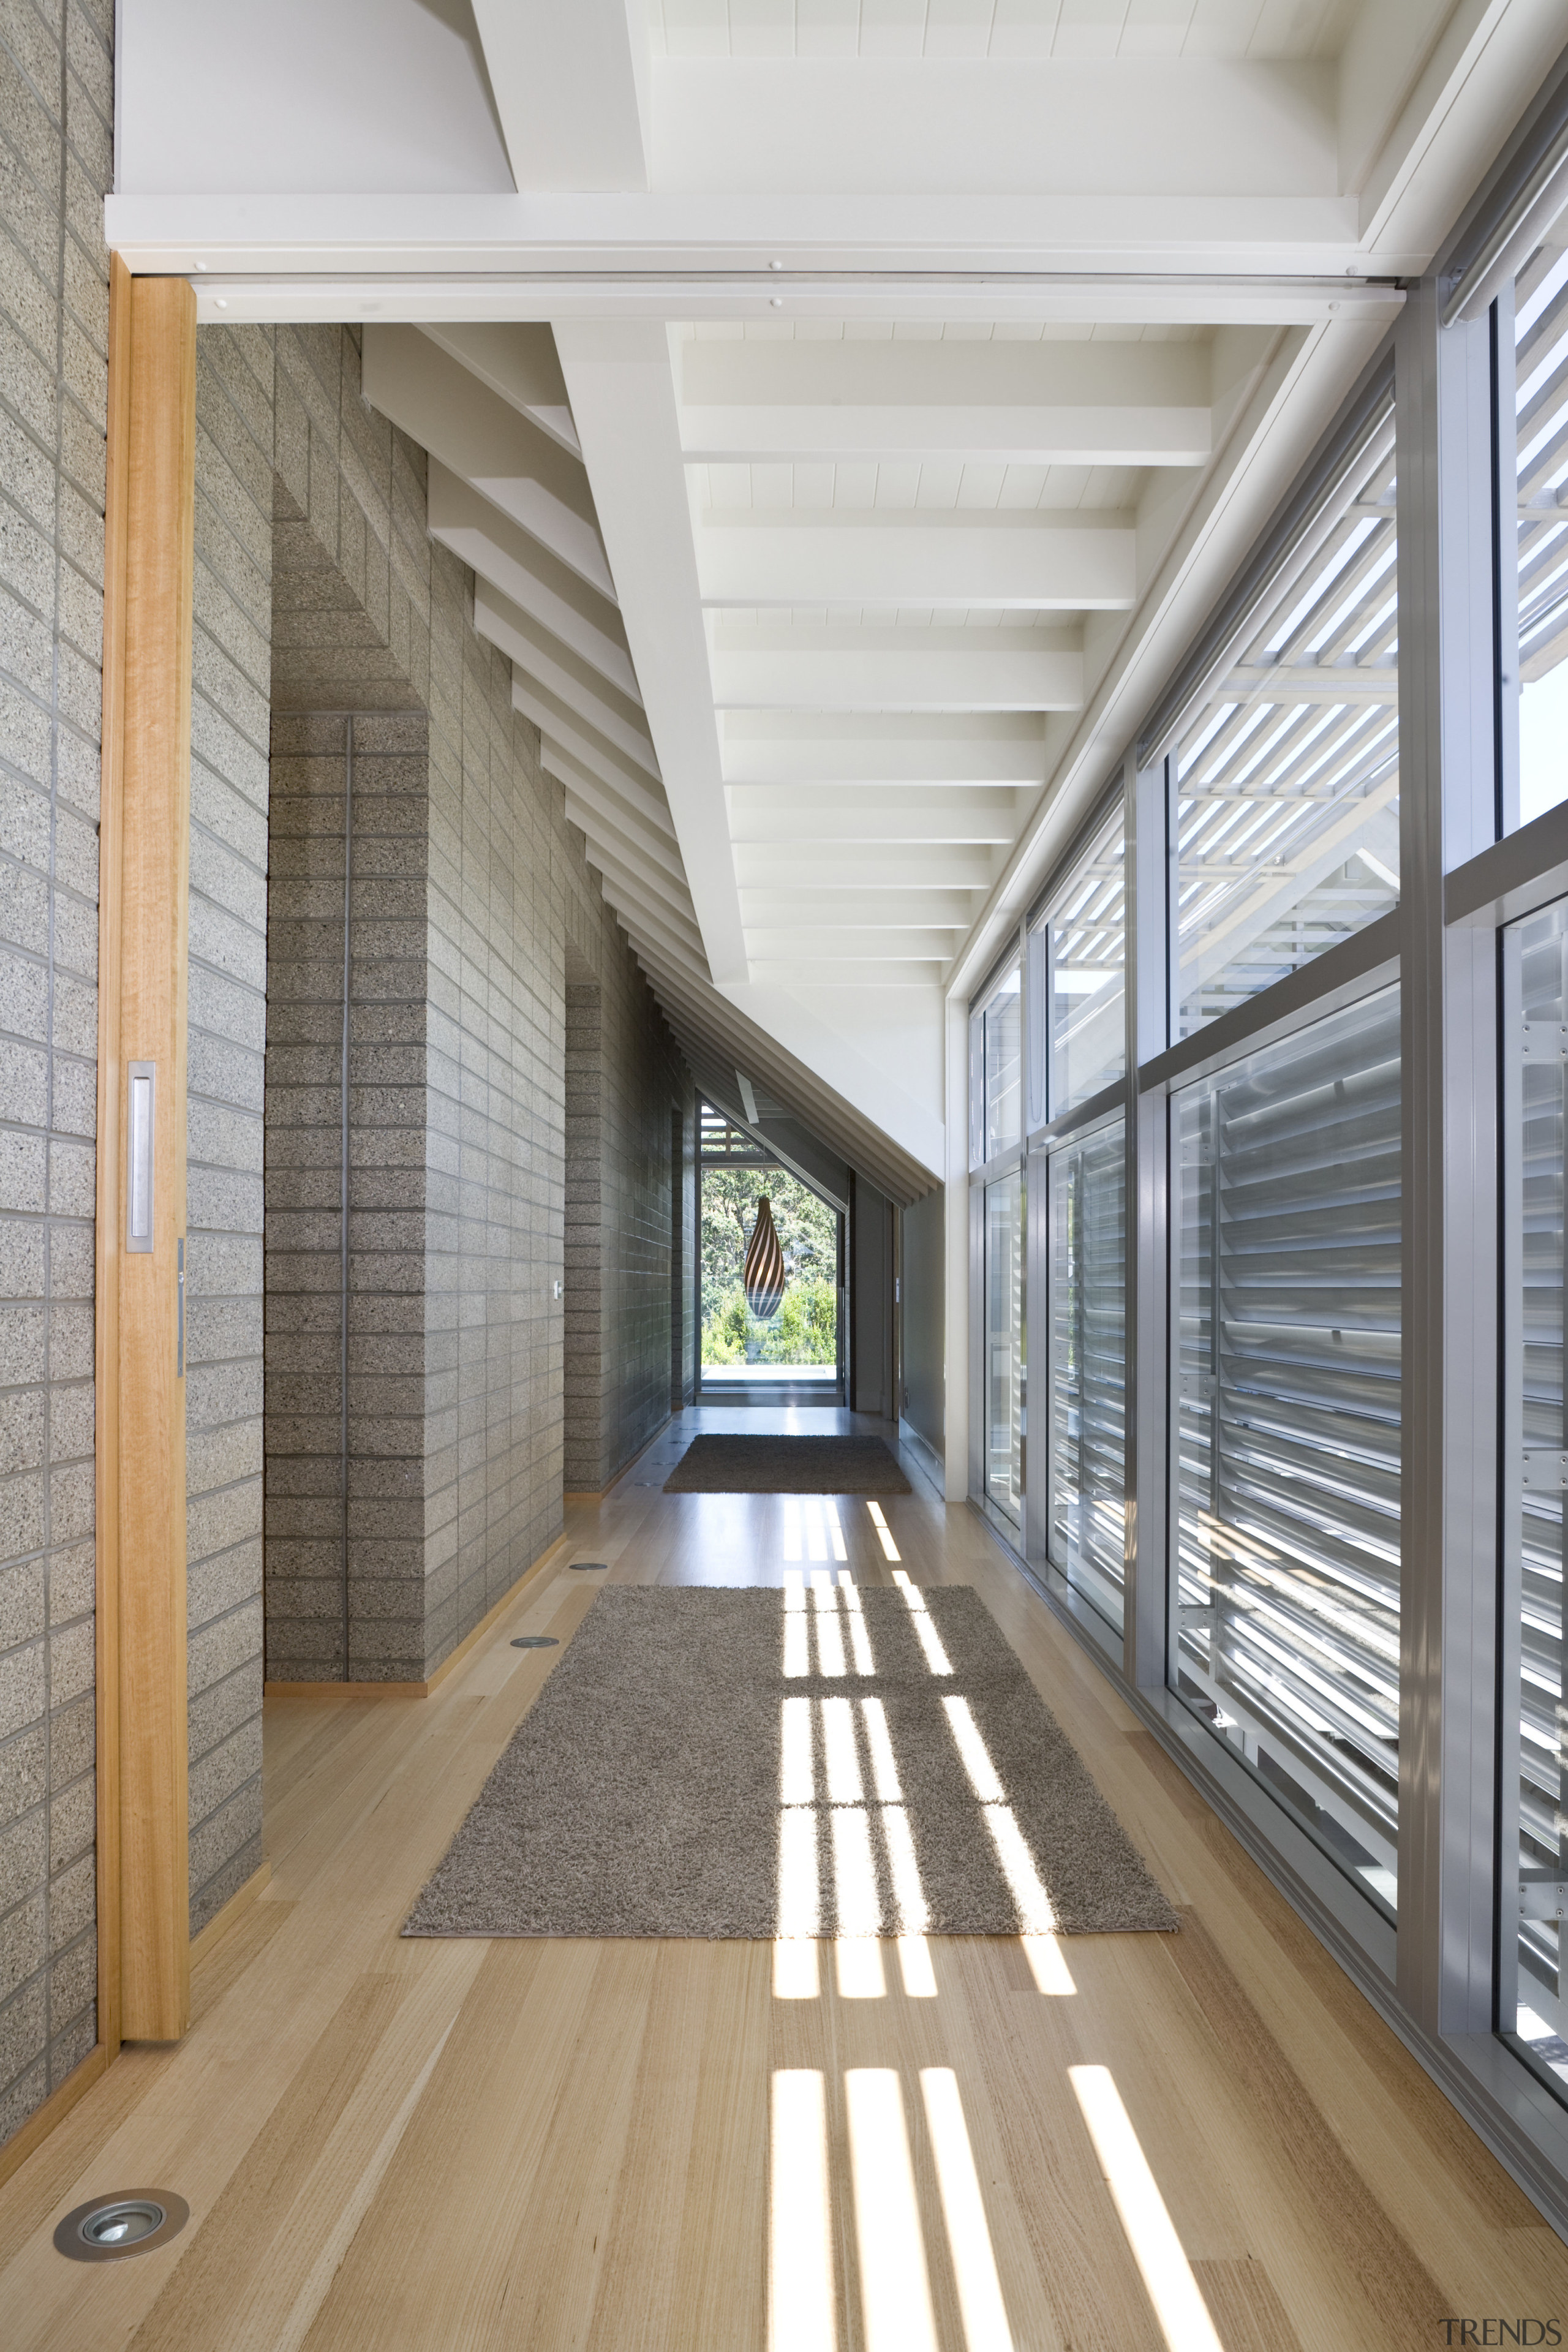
pixel 135 2222
pixel 590 1563
pixel 535 1641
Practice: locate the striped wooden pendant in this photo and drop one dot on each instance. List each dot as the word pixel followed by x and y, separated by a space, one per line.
pixel 764 1266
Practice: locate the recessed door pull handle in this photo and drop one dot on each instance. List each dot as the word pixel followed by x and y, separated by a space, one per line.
pixel 140 1132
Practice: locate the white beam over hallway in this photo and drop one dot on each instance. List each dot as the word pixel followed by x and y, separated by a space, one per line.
pixel 575 684
pixel 853 400
pixel 529 576
pixel 573 88
pixel 622 388
pixel 487 440
pixel 826 668
pixel 1038 562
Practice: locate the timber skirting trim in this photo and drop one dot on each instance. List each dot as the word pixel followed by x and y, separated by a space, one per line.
pixel 55 2109
pixel 221 1920
pixel 421 1690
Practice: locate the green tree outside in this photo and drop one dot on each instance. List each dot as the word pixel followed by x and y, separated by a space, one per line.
pixel 806 1329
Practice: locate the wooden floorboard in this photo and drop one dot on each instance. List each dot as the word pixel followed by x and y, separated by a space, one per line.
pixel 390 2146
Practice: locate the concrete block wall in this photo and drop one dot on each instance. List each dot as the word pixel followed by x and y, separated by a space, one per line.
pixel 627 1205
pixel 458 1081
pixel 344 1491
pixel 582 1465
pixel 230 704
pixel 504 867
pixel 55 117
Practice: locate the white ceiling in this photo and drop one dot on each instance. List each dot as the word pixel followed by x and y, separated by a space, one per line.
pixel 849 408
pixel 1297 29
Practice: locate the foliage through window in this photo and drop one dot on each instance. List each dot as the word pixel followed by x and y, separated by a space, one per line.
pixel 806 1329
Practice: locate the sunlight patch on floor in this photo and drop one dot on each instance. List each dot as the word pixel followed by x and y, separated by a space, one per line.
pixel 985 2328
pixel 1167 2275
pixel 802 2314
pixel 895 2287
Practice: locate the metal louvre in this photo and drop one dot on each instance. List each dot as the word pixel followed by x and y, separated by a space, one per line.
pixel 1087 1190
pixel 1287 776
pixel 1540 372
pixel 1535 1787
pixel 1288 1349
pixel 1004 1343
pixel 1084 934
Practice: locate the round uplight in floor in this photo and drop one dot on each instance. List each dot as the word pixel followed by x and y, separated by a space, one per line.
pixel 590 1563
pixel 135 2222
pixel 535 1641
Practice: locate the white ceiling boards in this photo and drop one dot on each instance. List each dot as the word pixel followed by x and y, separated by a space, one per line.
pixel 851 413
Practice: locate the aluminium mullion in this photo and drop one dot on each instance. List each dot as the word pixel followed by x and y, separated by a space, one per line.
pixel 1505 558
pixel 1151 1447
pixel 1448 1039
pixel 1511 1611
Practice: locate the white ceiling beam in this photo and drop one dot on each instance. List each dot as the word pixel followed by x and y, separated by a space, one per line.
pixel 877 909
pixel 644 885
pixel 649 885
pixel 810 971
pixel 557 668
pixel 996 437
pixel 517 362
pixel 1032 562
pixel 950 376
pixel 621 383
pixel 602 818
pixel 1002 403
pixel 890 748
pixel 558 598
pixel 652 922
pixel 552 716
pixel 809 942
pixel 459 258
pixel 895 669
pixel 572 89
pixel 899 866
pixel 432 397
pixel 765 813
pixel 643 799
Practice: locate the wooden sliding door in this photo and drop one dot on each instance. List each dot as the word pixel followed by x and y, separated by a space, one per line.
pixel 143 895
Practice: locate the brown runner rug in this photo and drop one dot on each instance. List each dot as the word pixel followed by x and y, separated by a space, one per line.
pixel 720 1761
pixel 719 1464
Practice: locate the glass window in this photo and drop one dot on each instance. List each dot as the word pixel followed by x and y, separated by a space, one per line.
pixel 1534 1858
pixel 1087 1191
pixel 1001 1053
pixel 1082 939
pixel 1287 779
pixel 1289 1418
pixel 1540 409
pixel 1005 1344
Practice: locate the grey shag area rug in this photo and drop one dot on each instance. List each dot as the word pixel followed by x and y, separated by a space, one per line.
pixel 710 1761
pixel 722 1465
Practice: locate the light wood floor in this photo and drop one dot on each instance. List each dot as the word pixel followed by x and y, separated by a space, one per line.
pixel 437 2146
